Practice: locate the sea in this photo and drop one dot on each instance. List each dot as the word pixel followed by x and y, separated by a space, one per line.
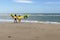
pixel 51 18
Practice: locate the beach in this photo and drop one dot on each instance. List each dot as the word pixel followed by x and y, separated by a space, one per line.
pixel 29 31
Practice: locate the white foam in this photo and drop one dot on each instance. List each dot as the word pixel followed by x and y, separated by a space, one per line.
pixel 5 20
pixel 45 22
pixel 29 21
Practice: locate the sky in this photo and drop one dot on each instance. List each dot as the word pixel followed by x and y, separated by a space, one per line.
pixel 29 6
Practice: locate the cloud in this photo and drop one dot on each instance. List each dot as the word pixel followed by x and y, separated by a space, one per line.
pixel 23 1
pixel 52 2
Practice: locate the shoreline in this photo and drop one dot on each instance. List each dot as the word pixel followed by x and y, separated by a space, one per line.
pixel 29 21
pixel 35 22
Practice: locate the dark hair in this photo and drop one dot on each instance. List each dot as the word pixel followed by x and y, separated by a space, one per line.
pixel 19 15
pixel 15 15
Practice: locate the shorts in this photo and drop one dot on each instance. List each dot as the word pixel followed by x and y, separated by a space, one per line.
pixel 15 19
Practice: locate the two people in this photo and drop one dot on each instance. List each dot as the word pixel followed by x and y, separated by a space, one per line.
pixel 19 17
pixel 16 18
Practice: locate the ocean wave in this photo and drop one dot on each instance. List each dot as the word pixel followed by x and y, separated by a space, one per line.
pixel 30 21
pixel 44 15
pixel 45 22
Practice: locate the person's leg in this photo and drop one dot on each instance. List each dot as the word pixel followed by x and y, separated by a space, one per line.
pixel 19 20
pixel 15 20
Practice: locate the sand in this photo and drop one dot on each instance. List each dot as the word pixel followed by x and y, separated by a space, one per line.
pixel 29 31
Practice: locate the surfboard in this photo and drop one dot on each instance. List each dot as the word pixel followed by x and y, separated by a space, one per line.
pixel 21 17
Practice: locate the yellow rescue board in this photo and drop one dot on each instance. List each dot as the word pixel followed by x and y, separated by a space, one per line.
pixel 21 17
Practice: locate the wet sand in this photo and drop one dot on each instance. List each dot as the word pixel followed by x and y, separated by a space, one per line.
pixel 29 31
